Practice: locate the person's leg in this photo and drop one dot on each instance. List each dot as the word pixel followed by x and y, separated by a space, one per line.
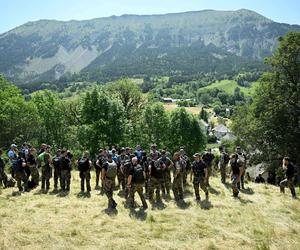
pixel 204 187
pixel 283 184
pixel 88 181
pixel 196 183
pixel 292 188
pixel 139 189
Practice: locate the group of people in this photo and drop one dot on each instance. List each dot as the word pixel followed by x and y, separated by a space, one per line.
pixel 150 175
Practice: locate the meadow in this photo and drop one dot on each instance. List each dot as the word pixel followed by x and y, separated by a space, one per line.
pixel 261 218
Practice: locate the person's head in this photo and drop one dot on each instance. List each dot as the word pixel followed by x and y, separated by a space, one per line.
pixel 286 160
pixel 182 152
pixel 163 154
pixel 64 153
pixel 134 160
pixel 233 157
pixel 197 157
pixel 13 146
pixel 153 147
pixel 221 149
pixel 44 146
pixel 138 147
pixel 238 149
pixel 176 156
pixel 209 150
pixel 109 157
pixel 48 148
pixel 113 151
pixel 259 175
pixel 58 152
pixel 32 151
pixel 86 154
pixel 122 151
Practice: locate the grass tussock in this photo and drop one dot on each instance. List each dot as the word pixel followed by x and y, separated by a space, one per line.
pixel 261 218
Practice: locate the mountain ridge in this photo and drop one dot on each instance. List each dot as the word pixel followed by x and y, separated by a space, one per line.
pixel 46 50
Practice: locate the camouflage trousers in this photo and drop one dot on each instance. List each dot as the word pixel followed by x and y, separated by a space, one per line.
pixel 35 176
pixel 177 187
pixel 46 176
pixel 85 177
pixel 139 189
pixel 167 182
pixel 155 184
pixel 65 180
pixel 234 184
pixel 223 172
pixel 240 184
pixel 121 179
pixel 98 171
pixel 288 182
pixel 108 186
pixel 20 177
pixel 3 178
pixel 57 176
pixel 199 181
pixel 126 187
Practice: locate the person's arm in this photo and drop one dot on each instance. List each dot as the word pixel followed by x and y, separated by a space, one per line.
pixel 205 174
pixel 241 172
pixel 103 174
pixel 129 181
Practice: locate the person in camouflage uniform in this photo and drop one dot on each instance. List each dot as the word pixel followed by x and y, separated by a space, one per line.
pixel 136 181
pixel 45 163
pixel 98 166
pixel 156 179
pixel 242 161
pixel 125 168
pixel 185 165
pixel 289 170
pixel 145 163
pixel 108 175
pixel 200 173
pixel 32 164
pixel 122 158
pixel 223 161
pixel 236 173
pixel 84 167
pixel 20 175
pixel 208 158
pixel 57 170
pixel 167 173
pixel 177 185
pixel 3 176
pixel 65 168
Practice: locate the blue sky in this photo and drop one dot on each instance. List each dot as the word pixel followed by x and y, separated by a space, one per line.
pixel 16 12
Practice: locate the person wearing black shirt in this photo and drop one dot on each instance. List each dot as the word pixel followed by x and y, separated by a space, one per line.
pixel 136 180
pixel 57 171
pixel 19 168
pixel 98 166
pixel 122 158
pixel 200 173
pixel 236 172
pixel 84 167
pixel 65 171
pixel 289 169
pixel 3 176
pixel 208 158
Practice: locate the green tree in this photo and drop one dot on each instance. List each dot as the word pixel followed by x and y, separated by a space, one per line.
pixel 19 119
pixel 271 123
pixel 185 131
pixel 53 128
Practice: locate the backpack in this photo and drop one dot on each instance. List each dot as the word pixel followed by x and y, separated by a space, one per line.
pixel 138 174
pixel 83 164
pixel 226 158
pixel 111 170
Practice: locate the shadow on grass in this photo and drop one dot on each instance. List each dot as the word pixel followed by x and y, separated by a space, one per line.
pixel 139 214
pixel 16 193
pixel 63 194
pixel 213 191
pixel 41 191
pixel 158 205
pixel 110 211
pixel 247 191
pixel 83 195
pixel 54 192
pixel 187 193
pixel 205 204
pixel 243 201
pixel 182 204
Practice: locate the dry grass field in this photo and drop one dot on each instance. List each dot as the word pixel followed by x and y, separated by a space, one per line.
pixel 193 110
pixel 261 218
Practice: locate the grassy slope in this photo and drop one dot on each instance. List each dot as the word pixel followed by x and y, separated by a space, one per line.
pixel 260 219
pixel 229 85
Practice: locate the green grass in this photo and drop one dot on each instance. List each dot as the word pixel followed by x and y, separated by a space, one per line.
pixel 254 221
pixel 229 85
